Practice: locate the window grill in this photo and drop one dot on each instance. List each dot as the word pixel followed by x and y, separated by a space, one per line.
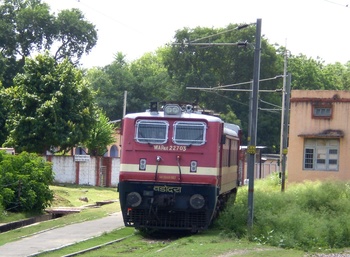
pixel 321 154
pixel 322 112
pixel 151 132
pixel 189 133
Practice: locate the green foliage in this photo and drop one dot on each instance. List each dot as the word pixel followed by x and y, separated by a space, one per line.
pixel 51 107
pixel 109 84
pixel 4 104
pixel 101 135
pixel 306 72
pixel 166 74
pixel 74 34
pixel 24 182
pixel 145 80
pixel 230 116
pixel 309 216
pixel 27 27
pixel 213 66
pixel 153 81
pixel 311 74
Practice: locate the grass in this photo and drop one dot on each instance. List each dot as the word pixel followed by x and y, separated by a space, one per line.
pixel 209 243
pixel 304 220
pixel 311 217
pixel 66 196
pixel 105 238
pixel 71 195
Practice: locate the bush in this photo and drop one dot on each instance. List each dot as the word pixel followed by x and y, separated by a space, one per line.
pixel 313 215
pixel 24 182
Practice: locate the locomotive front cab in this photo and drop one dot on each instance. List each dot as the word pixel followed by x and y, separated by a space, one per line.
pixel 170 168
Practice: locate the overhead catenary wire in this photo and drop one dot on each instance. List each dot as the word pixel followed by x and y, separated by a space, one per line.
pixel 229 98
pixel 223 32
pixel 225 87
pixel 337 3
pixel 111 18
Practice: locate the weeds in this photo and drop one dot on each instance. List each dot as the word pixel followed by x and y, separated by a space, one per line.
pixel 309 216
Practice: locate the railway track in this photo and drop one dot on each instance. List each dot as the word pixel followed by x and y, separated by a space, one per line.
pixel 96 247
pixel 160 237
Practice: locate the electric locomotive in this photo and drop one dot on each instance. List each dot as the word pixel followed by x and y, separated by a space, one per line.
pixel 178 167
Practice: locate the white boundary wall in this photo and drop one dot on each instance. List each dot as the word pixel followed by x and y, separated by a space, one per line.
pixel 115 172
pixel 87 174
pixel 64 169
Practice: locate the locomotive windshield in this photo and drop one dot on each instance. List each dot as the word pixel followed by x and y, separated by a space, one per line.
pixel 189 133
pixel 151 132
pixel 184 133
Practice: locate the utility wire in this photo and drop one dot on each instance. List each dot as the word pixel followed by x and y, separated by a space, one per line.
pixel 332 2
pixel 223 32
pixel 270 104
pixel 232 100
pixel 110 17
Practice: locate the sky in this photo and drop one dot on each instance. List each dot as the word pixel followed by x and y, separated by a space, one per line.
pixel 315 28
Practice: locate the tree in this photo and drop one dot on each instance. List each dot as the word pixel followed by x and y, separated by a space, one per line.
pixel 101 135
pixel 109 84
pixel 145 80
pixel 51 107
pixel 211 66
pixel 4 103
pixel 153 82
pixel 25 180
pixel 27 27
pixel 336 76
pixel 230 116
pixel 346 76
pixel 75 35
pixel 107 96
pixel 306 72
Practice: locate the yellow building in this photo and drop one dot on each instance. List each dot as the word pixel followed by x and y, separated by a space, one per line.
pixel 319 135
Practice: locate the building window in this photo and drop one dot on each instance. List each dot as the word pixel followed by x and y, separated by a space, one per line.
pixel 321 154
pixel 322 112
pixel 309 158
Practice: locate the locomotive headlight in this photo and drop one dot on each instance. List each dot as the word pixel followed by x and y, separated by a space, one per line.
pixel 193 166
pixel 142 164
pixel 197 201
pixel 133 199
pixel 172 109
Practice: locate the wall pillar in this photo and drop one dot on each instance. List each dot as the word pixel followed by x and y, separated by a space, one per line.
pixel 97 170
pixel 77 171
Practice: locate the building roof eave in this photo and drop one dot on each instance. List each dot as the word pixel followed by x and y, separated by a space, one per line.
pixel 329 133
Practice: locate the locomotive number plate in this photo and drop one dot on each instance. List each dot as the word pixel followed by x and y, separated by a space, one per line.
pixel 167 189
pixel 182 148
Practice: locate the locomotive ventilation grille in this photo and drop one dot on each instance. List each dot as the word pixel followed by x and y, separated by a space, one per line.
pixel 167 219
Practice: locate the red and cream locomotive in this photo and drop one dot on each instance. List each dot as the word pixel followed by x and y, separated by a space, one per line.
pixel 178 167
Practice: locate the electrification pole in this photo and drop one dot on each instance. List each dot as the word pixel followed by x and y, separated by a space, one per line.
pixel 124 106
pixel 253 125
pixel 283 108
pixel 253 110
pixel 285 131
